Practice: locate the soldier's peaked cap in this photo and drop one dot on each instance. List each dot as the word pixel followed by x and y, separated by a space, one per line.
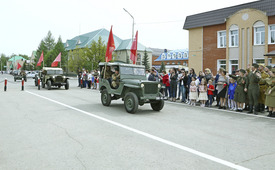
pixel 255 65
pixel 242 70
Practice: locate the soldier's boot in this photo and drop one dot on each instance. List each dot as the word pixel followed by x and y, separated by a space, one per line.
pixel 269 114
pixel 256 109
pixel 250 109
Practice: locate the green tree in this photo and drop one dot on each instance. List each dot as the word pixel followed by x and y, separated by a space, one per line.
pixel 77 59
pixel 49 41
pixel 162 67
pixel 145 60
pixel 24 67
pixel 95 54
pixel 4 60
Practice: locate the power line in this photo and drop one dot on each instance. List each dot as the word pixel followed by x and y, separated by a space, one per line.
pixel 161 22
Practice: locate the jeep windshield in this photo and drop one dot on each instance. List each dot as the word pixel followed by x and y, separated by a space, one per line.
pixel 54 72
pixel 132 71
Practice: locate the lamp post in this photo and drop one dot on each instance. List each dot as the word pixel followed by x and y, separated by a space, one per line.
pixel 133 23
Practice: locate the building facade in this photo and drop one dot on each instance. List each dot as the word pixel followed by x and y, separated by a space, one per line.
pixel 233 37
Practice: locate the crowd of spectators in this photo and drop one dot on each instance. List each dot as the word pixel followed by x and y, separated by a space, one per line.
pixel 252 89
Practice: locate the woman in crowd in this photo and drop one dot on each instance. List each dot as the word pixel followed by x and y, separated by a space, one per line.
pixel 173 84
pixel 208 75
pixel 183 85
pixel 270 93
pixel 240 95
pixel 222 89
pixel 203 92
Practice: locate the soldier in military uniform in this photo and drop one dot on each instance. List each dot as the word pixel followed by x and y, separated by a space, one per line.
pixel 240 94
pixel 263 88
pixel 107 74
pixel 253 89
pixel 115 79
pixel 270 93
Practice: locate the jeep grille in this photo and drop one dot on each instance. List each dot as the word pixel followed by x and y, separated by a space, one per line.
pixel 58 79
pixel 150 88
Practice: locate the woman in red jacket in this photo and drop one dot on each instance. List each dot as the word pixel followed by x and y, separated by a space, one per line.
pixel 165 81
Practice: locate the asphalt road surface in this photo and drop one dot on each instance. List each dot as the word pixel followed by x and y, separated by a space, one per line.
pixel 71 129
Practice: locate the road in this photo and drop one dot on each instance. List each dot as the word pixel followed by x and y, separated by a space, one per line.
pixel 71 129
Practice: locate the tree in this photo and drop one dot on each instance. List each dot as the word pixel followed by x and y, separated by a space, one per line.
pixel 49 41
pixel 145 60
pixel 162 67
pixel 95 53
pixel 77 59
pixel 24 66
pixel 4 60
pixel 59 48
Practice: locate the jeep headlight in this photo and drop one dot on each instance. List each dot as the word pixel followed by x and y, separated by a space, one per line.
pixel 159 86
pixel 53 77
pixel 142 85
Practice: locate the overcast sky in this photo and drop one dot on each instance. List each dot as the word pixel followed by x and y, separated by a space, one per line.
pixel 159 22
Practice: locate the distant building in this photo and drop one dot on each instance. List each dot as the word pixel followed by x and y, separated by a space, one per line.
pixel 122 51
pixel 232 37
pixel 171 59
pixel 12 63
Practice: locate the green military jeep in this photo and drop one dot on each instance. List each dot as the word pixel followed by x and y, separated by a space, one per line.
pixel 133 88
pixel 53 77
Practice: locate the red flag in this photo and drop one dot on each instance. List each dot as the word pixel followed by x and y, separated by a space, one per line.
pixel 57 59
pixel 133 55
pixel 110 46
pixel 40 59
pixel 18 66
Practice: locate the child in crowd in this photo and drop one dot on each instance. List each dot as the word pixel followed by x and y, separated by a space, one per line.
pixel 203 92
pixel 193 93
pixel 210 92
pixel 231 91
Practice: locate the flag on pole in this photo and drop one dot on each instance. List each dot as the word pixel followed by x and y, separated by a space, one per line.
pixel 57 59
pixel 133 55
pixel 40 59
pixel 18 66
pixel 110 46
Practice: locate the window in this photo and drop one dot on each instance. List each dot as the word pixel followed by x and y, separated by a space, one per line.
pixel 233 65
pixel 271 35
pixel 259 35
pixel 259 61
pixel 221 64
pixel 234 38
pixel 221 39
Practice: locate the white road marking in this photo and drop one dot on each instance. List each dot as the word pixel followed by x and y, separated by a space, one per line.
pixel 181 147
pixel 222 110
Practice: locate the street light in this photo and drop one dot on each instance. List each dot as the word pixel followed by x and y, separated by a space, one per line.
pixel 133 23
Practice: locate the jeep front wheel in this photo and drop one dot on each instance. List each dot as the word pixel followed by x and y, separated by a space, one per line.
pixel 67 85
pixel 49 85
pixel 131 102
pixel 105 98
pixel 158 105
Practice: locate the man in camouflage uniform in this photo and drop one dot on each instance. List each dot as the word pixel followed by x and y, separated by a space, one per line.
pixel 115 79
pixel 252 87
pixel 263 88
